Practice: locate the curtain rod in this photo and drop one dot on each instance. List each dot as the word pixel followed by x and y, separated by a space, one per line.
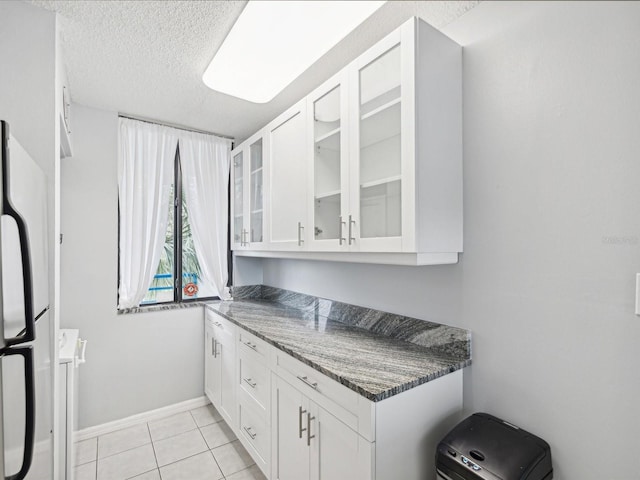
pixel 172 125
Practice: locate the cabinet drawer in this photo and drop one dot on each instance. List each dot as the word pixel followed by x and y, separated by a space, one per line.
pixel 254 429
pixel 252 343
pixel 254 378
pixel 320 388
pixel 219 322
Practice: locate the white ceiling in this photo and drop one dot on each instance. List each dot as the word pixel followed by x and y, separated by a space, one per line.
pixel 147 57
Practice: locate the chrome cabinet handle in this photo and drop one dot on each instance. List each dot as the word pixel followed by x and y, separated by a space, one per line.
pixel 252 346
pixel 309 436
pixel 249 432
pixel 300 429
pixel 248 381
pixel 340 237
pixel 351 224
pixel 300 229
pixel 213 347
pixel 306 381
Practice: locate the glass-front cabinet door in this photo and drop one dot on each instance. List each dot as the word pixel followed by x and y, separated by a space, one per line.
pixel 255 190
pixel 328 174
pixel 377 179
pixel 247 226
pixel 238 230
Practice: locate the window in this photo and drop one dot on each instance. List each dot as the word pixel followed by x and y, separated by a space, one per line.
pixel 168 285
pixel 173 191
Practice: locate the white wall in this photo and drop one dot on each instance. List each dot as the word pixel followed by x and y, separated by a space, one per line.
pixel 28 43
pixel 135 362
pixel 552 231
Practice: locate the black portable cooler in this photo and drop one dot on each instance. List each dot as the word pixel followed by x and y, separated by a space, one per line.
pixel 483 447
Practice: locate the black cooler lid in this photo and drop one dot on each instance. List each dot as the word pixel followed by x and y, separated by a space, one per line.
pixel 506 451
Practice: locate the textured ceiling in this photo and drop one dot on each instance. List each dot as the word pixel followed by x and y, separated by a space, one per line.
pixel 146 58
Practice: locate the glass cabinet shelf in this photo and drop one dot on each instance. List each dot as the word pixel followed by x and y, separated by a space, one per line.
pixel 321 195
pixel 381 181
pixel 379 109
pixel 330 137
pixel 380 125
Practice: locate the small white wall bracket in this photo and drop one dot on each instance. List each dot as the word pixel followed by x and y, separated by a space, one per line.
pixel 637 293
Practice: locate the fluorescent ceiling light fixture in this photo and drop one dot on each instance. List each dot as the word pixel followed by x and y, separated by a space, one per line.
pixel 273 42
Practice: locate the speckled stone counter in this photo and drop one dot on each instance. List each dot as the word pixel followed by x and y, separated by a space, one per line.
pixel 377 354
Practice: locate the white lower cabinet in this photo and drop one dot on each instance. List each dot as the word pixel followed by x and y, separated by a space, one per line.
pixel 298 424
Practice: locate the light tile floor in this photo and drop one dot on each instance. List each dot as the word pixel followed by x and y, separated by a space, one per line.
pixel 194 445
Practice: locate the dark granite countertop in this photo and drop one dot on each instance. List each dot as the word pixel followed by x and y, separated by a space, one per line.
pixel 374 353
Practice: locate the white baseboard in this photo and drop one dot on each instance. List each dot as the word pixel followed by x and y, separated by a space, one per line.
pixel 149 416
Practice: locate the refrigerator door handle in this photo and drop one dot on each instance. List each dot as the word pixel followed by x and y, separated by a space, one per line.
pixel 30 406
pixel 27 281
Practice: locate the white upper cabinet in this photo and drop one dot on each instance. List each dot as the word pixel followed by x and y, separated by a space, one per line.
pixel 247 204
pixel 372 171
pixel 406 146
pixel 288 179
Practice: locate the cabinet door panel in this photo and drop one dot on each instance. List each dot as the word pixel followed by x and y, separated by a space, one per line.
pixel 334 448
pixel 378 93
pixel 227 360
pixel 327 111
pixel 237 200
pixel 211 374
pixel 288 179
pixel 289 441
pixel 256 193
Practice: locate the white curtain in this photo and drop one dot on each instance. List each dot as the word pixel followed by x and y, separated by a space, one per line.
pixel 205 161
pixel 147 153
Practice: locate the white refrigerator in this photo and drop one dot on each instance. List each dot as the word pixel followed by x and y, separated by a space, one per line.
pixel 26 387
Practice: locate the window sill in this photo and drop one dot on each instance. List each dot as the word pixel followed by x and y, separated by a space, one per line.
pixel 165 306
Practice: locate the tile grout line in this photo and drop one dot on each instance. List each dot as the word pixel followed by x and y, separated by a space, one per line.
pixel 150 442
pixel 97 440
pixel 154 451
pixel 210 450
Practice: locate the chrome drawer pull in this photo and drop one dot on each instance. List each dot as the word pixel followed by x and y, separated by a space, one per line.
pixel 248 381
pixel 309 436
pixel 300 429
pixel 252 346
pixel 306 381
pixel 249 432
